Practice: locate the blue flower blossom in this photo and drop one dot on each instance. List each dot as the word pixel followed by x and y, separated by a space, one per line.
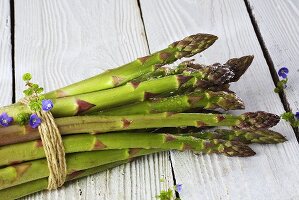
pixel 34 121
pixel 5 120
pixel 297 115
pixel 283 72
pixel 179 188
pixel 47 104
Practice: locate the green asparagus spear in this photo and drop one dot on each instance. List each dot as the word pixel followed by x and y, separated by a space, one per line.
pixel 138 91
pixel 100 124
pixel 32 170
pixel 187 47
pixel 214 75
pixel 37 169
pixel 33 150
pixel 245 136
pixel 235 67
pixel 128 93
pixel 158 73
pixel 209 100
pixel 264 136
pixel 31 187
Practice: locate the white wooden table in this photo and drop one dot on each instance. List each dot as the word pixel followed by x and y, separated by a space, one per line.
pixel 63 41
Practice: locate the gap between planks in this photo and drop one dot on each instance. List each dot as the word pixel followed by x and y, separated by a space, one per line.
pixel 144 30
pixel 12 40
pixel 269 62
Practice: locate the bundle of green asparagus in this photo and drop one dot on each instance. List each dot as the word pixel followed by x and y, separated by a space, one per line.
pixel 134 110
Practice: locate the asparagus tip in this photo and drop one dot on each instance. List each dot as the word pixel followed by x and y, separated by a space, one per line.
pixel 193 44
pixel 239 66
pixel 242 150
pixel 234 148
pixel 230 101
pixel 251 136
pixel 258 120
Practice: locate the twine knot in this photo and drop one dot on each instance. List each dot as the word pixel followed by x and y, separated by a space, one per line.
pixel 53 147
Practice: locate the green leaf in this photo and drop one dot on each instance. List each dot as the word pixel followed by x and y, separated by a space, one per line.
pixel 35 87
pixel 23 118
pixel 27 77
pixel 280 85
pixel 290 117
pixel 28 92
pixel 35 106
pixel 34 91
pixel 287 116
pixel 166 195
pixel 276 90
pixel 39 90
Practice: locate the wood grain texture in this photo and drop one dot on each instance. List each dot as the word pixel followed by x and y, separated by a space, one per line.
pixel 278 23
pixel 273 172
pixel 61 42
pixel 5 54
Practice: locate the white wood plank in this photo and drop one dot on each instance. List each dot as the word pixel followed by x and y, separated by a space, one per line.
pixel 5 54
pixel 61 42
pixel 273 172
pixel 278 23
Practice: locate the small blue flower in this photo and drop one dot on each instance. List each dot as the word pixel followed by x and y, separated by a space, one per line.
pixel 34 121
pixel 5 120
pixel 47 104
pixel 297 115
pixel 283 72
pixel 179 188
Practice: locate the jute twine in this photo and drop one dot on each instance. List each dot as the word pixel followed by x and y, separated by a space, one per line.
pixel 53 147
